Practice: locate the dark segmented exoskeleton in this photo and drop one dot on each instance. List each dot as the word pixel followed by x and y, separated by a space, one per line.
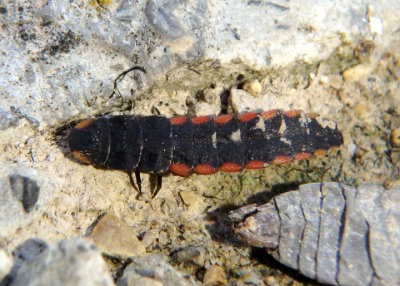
pixel 204 145
pixel 330 232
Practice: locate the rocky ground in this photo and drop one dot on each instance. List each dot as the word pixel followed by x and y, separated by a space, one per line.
pixel 59 63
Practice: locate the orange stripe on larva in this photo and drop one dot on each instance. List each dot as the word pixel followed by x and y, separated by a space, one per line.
pixel 255 165
pixel 204 169
pixel 270 113
pixel 281 160
pixel 180 169
pixel 84 123
pixel 78 155
pixel 303 156
pixel 230 167
pixel 200 119
pixel 179 120
pixel 291 113
pixel 247 116
pixel 222 119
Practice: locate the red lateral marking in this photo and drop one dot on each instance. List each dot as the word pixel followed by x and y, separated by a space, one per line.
pixel 78 155
pixel 180 169
pixel 291 113
pixel 270 113
pixel 204 169
pixel 200 119
pixel 84 123
pixel 179 120
pixel 255 165
pixel 281 160
pixel 247 116
pixel 320 152
pixel 230 167
pixel 334 148
pixel 303 156
pixel 222 119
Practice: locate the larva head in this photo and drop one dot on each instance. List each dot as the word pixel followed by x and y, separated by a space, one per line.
pixel 89 141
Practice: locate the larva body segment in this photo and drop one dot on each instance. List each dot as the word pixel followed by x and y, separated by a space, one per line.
pixel 181 145
pixel 330 232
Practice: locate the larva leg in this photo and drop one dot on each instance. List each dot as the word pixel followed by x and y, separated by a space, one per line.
pixel 132 182
pixel 138 181
pixel 158 185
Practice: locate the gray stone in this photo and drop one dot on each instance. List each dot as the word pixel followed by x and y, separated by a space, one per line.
pixel 161 17
pixel 19 195
pixel 26 190
pixel 23 253
pixel 154 270
pixel 190 254
pixel 348 235
pixel 70 262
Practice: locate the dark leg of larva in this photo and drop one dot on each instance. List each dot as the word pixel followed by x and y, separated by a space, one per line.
pixel 138 181
pixel 157 181
pixel 132 182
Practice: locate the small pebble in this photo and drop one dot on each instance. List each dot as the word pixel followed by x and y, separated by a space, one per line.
pixel 193 254
pixel 335 81
pixel 26 190
pixel 362 110
pixel 249 277
pixel 163 238
pixel 396 136
pixel 192 200
pixel 364 50
pixel 252 86
pixel 271 281
pixel 150 237
pixel 153 270
pixel 116 238
pixel 349 94
pixel 215 275
pixel 357 72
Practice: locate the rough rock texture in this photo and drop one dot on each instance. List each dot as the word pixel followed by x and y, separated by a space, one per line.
pixel 59 60
pixel 115 238
pixel 71 262
pixel 154 270
pixel 330 232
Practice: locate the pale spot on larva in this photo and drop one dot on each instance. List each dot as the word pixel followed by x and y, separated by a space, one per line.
pixel 235 136
pixel 214 139
pixel 304 119
pixel 285 140
pixel 260 123
pixel 282 128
